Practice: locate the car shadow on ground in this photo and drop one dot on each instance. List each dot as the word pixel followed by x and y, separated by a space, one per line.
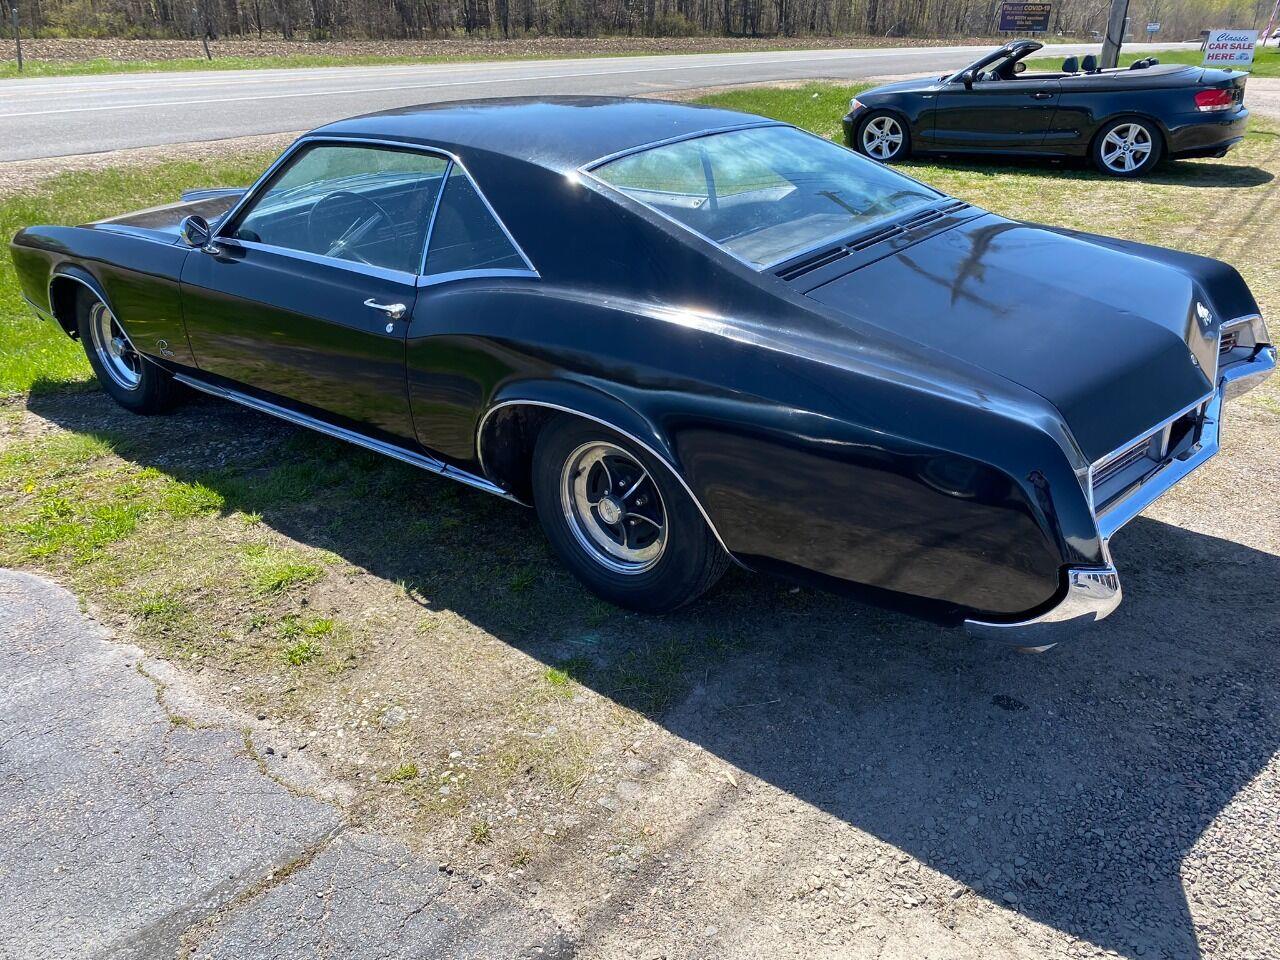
pixel 1071 787
pixel 1178 173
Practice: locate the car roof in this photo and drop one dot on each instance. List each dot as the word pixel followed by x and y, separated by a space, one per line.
pixel 561 133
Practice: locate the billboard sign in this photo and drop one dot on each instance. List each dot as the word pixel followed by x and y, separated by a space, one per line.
pixel 1024 16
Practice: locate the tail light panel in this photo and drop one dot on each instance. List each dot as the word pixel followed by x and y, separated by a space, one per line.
pixel 1208 101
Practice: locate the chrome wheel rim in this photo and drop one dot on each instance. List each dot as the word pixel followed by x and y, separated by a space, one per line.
pixel 882 138
pixel 121 362
pixel 1126 148
pixel 613 507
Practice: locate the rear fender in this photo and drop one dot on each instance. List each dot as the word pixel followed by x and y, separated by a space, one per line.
pixel 508 430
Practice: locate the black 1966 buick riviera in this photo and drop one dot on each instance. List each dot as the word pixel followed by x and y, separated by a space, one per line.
pixel 687 335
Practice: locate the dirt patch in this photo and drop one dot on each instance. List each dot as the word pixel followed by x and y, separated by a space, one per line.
pixel 1262 95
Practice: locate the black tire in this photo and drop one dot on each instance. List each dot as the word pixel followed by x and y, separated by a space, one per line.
pixel 1111 163
pixel 690 560
pixel 154 391
pixel 894 122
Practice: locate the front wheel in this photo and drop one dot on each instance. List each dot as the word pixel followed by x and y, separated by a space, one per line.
pixel 884 137
pixel 131 380
pixel 1129 147
pixel 620 521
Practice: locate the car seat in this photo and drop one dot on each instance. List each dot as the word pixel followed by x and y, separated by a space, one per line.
pixel 1089 64
pixel 1071 65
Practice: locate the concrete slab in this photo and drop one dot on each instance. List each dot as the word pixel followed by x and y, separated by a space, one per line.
pixel 118 829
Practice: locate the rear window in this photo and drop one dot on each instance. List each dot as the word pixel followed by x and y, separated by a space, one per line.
pixel 766 194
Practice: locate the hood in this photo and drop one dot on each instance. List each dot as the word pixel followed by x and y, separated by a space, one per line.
pixel 163 222
pixel 1116 341
pixel 900 86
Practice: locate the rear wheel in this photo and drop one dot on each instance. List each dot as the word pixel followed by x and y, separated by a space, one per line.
pixel 620 521
pixel 128 378
pixel 883 136
pixel 1129 147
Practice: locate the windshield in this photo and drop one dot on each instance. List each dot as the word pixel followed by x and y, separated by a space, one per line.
pixel 766 194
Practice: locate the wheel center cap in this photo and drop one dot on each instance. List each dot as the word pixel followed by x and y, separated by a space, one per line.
pixel 610 508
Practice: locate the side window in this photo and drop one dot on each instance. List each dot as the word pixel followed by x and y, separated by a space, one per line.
pixel 364 204
pixel 465 235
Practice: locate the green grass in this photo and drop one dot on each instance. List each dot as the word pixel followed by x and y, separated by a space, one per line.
pixel 34 354
pixel 404 773
pixel 275 569
pixel 1266 62
pixel 301 652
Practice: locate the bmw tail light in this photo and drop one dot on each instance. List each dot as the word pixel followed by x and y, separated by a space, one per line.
pixel 1209 100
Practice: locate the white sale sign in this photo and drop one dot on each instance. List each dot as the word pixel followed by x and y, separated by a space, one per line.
pixel 1230 48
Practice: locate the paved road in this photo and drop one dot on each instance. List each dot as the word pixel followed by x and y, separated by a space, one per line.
pixel 53 117
pixel 133 822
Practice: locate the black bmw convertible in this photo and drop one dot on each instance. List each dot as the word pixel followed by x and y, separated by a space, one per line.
pixel 687 337
pixel 1124 120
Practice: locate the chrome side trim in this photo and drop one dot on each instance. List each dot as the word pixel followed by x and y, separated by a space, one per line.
pixel 93 288
pixel 481 274
pixel 616 429
pixel 341 433
pixel 407 277
pixel 1092 594
pixel 40 311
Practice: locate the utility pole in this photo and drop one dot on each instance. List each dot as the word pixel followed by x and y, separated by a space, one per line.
pixel 17 36
pixel 1271 21
pixel 1115 33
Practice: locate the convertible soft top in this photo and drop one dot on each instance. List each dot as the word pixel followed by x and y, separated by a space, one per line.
pixel 560 133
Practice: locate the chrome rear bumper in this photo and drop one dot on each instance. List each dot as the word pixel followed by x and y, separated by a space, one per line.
pixel 1093 592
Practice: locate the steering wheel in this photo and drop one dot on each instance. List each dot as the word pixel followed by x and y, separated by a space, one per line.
pixel 342 219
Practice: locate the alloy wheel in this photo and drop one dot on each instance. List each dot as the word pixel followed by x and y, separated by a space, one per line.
pixel 1126 147
pixel 882 138
pixel 613 508
pixel 121 362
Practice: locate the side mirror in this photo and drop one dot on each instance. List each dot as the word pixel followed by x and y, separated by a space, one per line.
pixel 967 79
pixel 1019 67
pixel 196 232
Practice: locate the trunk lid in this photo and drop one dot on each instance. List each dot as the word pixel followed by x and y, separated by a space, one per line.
pixel 1115 341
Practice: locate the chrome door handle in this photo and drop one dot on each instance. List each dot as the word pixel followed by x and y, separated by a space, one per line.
pixel 393 310
pixel 1041 95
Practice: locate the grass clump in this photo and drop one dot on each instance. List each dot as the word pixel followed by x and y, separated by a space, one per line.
pixel 404 773
pixel 181 500
pixel 275 569
pixel 301 652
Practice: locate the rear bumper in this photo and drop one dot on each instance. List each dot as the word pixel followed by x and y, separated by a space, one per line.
pixel 1206 134
pixel 1092 593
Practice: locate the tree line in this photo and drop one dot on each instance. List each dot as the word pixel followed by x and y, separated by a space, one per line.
pixel 423 19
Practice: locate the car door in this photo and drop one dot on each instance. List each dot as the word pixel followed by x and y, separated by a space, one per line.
pixel 307 290
pixel 995 115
